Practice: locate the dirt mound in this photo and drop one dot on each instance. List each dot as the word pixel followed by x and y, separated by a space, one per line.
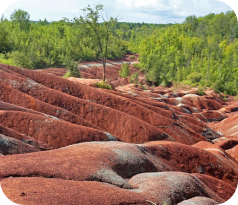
pixel 50 130
pixel 23 139
pixel 63 136
pixel 116 162
pixel 178 186
pixel 93 104
pixel 113 162
pixel 199 200
pixel 227 127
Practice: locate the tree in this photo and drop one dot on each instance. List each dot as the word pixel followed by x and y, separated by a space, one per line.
pixel 192 22
pixel 22 18
pixel 5 45
pixel 99 32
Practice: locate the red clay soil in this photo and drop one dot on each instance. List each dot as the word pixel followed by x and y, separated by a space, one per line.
pixel 37 190
pixel 88 108
pixel 22 138
pixel 199 200
pixel 16 97
pixel 52 131
pixel 228 127
pixel 114 163
pixel 210 116
pixel 57 136
pixel 10 146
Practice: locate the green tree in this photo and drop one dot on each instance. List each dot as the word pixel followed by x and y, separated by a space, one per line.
pixel 125 70
pixel 22 18
pixel 99 32
pixel 5 45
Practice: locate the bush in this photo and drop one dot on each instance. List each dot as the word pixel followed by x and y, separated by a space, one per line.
pixel 21 60
pixel 8 61
pixel 125 70
pixel 103 85
pixel 194 77
pixel 218 86
pixel 223 96
pixel 134 78
pixel 200 91
pixel 72 67
pixel 138 66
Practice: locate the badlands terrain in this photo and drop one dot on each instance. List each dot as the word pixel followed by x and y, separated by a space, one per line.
pixel 64 141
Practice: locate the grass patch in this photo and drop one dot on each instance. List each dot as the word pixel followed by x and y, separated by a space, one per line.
pixel 104 85
pixel 75 74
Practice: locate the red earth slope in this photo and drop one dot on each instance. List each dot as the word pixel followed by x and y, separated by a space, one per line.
pixel 64 142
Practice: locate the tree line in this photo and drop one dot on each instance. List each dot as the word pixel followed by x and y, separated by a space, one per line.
pixel 201 51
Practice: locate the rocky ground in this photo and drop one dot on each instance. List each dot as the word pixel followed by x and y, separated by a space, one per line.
pixel 63 141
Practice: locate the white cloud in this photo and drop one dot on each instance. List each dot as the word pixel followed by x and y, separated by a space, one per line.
pixel 150 11
pixel 178 8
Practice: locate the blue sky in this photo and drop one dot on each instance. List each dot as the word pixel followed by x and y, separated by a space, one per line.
pixel 149 11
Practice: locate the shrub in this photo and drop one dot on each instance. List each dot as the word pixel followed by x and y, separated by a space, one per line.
pixel 21 60
pixel 200 91
pixel 134 78
pixel 194 77
pixel 218 86
pixel 104 85
pixel 223 96
pixel 138 66
pixel 72 67
pixel 125 70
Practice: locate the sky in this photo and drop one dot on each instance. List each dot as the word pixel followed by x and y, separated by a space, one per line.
pixel 148 11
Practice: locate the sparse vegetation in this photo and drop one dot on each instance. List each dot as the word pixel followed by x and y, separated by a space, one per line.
pixel 153 203
pixel 104 85
pixel 134 78
pixel 224 96
pixel 200 91
pixel 72 67
pixel 125 70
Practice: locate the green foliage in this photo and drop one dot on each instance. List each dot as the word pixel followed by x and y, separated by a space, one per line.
pixel 100 33
pixel 7 60
pixel 5 45
pixel 200 91
pixel 21 60
pixel 22 18
pixel 200 51
pixel 104 85
pixel 72 67
pixel 43 44
pixel 195 77
pixel 218 86
pixel 134 78
pixel 138 66
pixel 125 70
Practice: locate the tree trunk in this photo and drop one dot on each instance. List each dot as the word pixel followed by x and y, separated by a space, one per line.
pixel 219 70
pixel 104 68
pixel 208 67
